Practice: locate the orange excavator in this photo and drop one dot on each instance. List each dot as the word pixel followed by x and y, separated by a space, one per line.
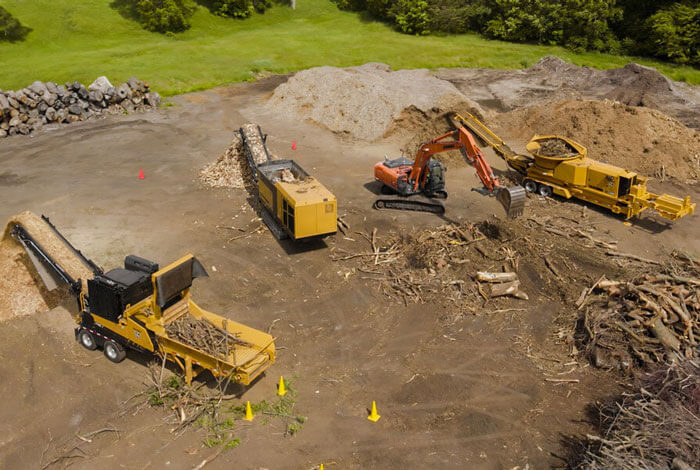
pixel 419 185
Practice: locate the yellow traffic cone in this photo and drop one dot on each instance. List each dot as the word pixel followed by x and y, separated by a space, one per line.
pixel 373 416
pixel 281 390
pixel 248 412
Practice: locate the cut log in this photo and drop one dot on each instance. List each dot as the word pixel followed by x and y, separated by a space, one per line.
pixel 508 288
pixel 664 335
pixel 496 277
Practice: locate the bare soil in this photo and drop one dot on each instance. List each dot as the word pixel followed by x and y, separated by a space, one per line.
pixel 457 386
pixel 551 80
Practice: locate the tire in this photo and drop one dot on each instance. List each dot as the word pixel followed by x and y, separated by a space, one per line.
pixel 379 205
pixel 87 339
pixel 530 186
pixel 544 190
pixel 113 351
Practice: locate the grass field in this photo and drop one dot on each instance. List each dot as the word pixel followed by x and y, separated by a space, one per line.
pixel 80 40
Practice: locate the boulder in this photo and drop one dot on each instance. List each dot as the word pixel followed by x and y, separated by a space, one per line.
pixel 101 84
pixel 38 87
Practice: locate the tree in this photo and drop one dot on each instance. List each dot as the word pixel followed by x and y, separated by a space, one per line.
pixel 674 34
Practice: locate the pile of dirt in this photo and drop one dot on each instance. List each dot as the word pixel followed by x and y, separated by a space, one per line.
pixel 363 102
pixel 551 80
pixel 638 139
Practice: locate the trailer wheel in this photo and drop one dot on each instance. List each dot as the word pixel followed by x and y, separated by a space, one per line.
pixel 113 351
pixel 87 340
pixel 545 190
pixel 530 186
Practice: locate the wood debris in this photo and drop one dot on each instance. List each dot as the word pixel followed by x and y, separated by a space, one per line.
pixel 204 336
pixel 644 319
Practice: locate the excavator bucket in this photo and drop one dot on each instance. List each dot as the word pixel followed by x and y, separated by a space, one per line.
pixel 512 199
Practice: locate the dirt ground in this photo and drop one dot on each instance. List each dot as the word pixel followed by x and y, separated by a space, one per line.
pixel 465 393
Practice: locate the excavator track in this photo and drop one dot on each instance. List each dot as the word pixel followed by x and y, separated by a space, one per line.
pixel 414 203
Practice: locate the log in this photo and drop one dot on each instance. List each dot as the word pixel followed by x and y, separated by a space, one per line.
pixel 496 277
pixel 664 335
pixel 631 256
pixel 507 288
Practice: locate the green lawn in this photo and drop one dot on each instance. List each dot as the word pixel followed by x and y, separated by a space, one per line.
pixel 82 39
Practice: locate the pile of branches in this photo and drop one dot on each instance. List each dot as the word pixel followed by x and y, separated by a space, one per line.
pixel 646 318
pixel 657 426
pixel 26 110
pixel 204 336
pixel 442 264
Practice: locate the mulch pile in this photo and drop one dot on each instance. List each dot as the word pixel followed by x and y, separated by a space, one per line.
pixel 364 102
pixel 637 139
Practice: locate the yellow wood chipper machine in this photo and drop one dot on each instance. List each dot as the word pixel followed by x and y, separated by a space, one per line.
pixel 558 165
pixel 145 308
pixel 295 204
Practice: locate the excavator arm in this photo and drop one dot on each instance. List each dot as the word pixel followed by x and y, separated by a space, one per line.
pixel 512 199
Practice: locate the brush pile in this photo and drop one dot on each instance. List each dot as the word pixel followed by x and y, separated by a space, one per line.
pixel 24 111
pixel 644 319
pixel 658 426
pixel 204 336
pixel 460 266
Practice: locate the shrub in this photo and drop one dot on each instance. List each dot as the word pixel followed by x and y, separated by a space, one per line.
pixel 10 28
pixel 410 16
pixel 674 34
pixel 164 16
pixel 238 8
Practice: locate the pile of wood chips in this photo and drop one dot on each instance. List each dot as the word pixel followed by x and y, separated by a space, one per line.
pixel 255 143
pixel 646 318
pixel 204 336
pixel 230 170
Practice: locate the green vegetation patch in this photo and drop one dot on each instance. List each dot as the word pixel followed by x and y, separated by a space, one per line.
pixel 83 40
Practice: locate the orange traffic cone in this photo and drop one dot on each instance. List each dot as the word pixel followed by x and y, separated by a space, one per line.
pixel 373 415
pixel 248 412
pixel 141 175
pixel 294 144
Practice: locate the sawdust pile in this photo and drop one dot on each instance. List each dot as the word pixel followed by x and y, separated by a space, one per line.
pixel 363 102
pixel 22 292
pixel 637 139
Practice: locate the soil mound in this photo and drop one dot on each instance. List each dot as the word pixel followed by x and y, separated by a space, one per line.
pixel 551 80
pixel 635 138
pixel 365 101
